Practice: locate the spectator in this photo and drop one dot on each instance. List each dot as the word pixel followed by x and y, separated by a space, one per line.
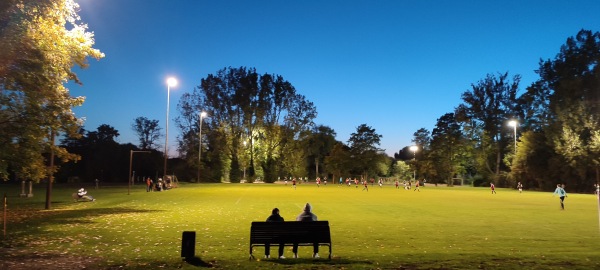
pixel 274 217
pixel 82 193
pixel 307 215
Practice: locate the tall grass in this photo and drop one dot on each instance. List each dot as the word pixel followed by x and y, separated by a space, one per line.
pixel 384 228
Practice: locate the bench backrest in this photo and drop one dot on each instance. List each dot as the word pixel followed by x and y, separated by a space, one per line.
pixel 290 232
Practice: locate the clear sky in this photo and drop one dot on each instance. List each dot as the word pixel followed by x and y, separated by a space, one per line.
pixel 394 65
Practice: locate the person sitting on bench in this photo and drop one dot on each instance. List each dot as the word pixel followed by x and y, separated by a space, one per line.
pixel 307 215
pixel 274 217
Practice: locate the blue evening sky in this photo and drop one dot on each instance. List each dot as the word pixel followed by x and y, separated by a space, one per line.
pixel 396 66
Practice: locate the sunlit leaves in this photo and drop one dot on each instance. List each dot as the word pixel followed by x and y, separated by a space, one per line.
pixel 40 43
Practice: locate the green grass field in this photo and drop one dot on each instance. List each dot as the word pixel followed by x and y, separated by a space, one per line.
pixel 384 228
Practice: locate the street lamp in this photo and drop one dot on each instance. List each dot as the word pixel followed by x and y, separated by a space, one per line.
pixel 202 115
pixel 414 149
pixel 170 82
pixel 130 163
pixel 514 124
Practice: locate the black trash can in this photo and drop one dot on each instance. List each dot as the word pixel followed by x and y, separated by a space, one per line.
pixel 188 245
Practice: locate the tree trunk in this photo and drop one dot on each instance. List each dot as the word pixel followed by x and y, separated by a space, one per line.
pixel 51 174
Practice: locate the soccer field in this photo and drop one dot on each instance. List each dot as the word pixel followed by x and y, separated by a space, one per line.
pixel 382 228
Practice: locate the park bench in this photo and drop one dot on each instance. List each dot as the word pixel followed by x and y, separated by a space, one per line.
pixel 304 233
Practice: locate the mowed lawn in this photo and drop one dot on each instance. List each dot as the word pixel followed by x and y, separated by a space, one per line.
pixel 384 228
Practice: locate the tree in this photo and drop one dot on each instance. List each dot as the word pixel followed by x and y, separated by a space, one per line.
pixel 570 84
pixel 422 139
pixel 535 164
pixel 318 143
pixel 485 110
pixel 40 42
pixel 148 132
pixel 364 150
pixel 338 160
pixel 446 148
pixel 264 111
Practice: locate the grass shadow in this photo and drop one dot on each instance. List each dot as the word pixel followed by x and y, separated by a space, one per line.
pixel 198 262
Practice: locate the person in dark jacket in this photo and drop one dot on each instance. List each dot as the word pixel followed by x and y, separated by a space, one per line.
pixel 307 215
pixel 274 217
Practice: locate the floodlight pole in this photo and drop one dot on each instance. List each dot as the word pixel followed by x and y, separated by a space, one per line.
pixel 514 124
pixel 170 82
pixel 414 149
pixel 202 115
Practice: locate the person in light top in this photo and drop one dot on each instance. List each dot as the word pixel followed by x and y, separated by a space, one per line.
pixel 307 215
pixel 560 191
pixel 82 193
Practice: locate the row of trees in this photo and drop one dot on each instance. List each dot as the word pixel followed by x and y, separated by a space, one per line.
pixel 558 126
pixel 259 127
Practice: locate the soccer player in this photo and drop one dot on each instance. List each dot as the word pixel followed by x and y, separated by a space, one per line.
pixel 520 187
pixel 560 190
pixel 493 188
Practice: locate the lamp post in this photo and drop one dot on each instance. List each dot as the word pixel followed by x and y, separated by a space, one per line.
pixel 202 115
pixel 514 123
pixel 170 82
pixel 130 165
pixel 414 149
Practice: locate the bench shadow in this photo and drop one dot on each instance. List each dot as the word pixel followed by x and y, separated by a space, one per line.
pixel 196 261
pixel 333 262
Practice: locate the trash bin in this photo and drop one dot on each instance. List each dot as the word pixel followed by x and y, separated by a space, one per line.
pixel 188 244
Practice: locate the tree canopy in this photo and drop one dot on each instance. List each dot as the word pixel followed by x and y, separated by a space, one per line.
pixel 41 41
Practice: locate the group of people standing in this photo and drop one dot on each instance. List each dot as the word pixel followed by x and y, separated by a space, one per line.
pixel 306 215
pixel 160 185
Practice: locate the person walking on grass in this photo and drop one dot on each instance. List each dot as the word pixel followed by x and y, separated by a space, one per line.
pixel 417 185
pixel 520 187
pixel 493 188
pixel 560 191
pixel 366 186
pixel 307 216
pixel 274 217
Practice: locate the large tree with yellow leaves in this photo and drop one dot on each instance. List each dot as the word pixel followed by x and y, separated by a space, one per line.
pixel 41 42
